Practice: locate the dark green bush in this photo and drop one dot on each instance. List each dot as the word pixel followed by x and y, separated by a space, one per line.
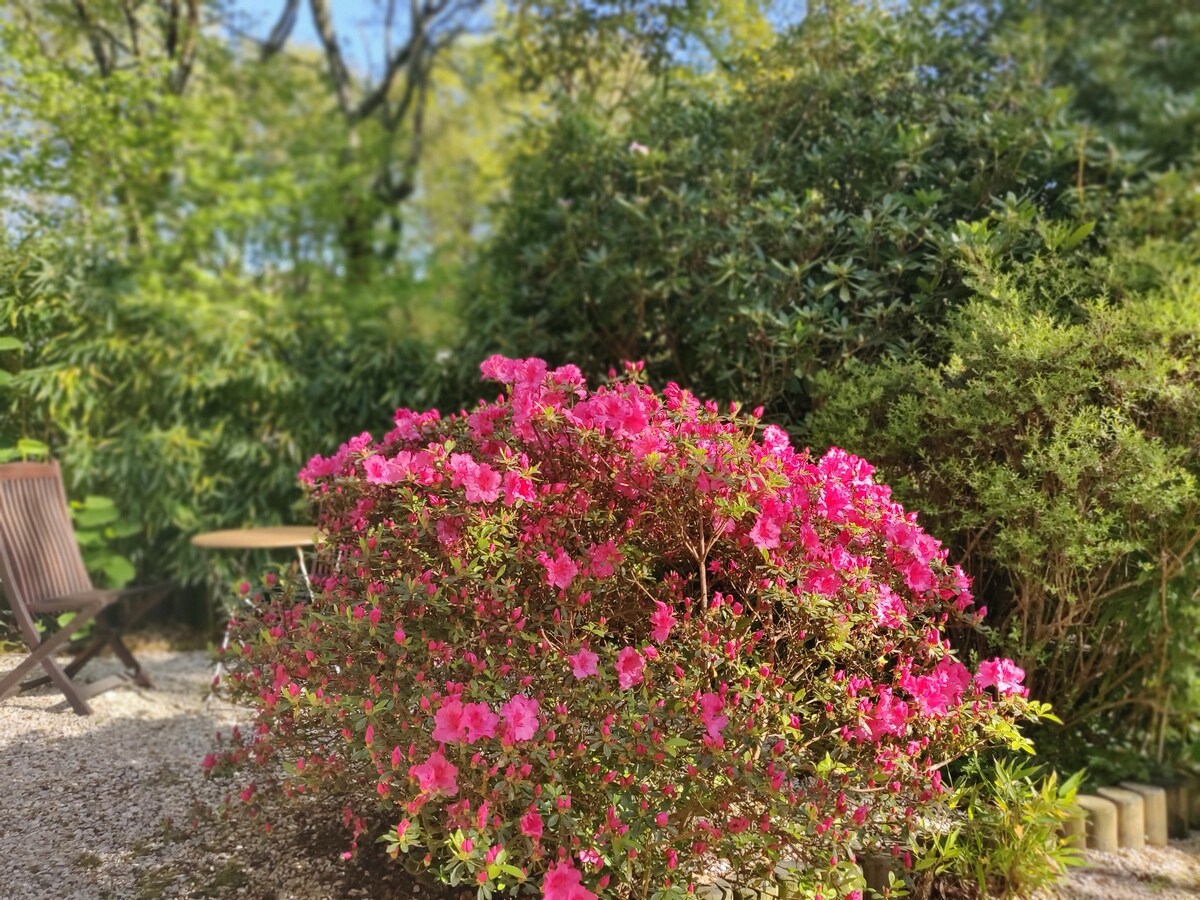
pixel 742 241
pixel 1058 448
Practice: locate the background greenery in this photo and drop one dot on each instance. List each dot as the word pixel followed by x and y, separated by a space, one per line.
pixel 956 238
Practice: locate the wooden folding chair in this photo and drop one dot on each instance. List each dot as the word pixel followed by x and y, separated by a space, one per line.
pixel 43 573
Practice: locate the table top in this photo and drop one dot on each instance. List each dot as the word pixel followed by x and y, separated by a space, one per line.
pixel 265 537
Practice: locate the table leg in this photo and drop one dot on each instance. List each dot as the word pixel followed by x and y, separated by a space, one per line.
pixel 304 571
pixel 220 667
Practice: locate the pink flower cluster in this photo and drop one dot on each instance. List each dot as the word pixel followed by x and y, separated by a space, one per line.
pixel 595 636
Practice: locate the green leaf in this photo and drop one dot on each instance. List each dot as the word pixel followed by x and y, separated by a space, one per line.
pixel 27 447
pixel 91 518
pixel 1073 239
pixel 10 343
pixel 119 571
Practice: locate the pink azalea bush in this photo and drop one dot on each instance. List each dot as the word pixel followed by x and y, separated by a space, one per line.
pixel 595 640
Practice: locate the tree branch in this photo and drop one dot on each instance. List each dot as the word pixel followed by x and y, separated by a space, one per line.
pixel 187 52
pixel 103 61
pixel 131 22
pixel 338 72
pixel 282 30
pixel 171 30
pixel 375 98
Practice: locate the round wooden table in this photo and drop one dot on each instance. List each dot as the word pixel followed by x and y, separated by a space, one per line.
pixel 264 537
pixel 259 537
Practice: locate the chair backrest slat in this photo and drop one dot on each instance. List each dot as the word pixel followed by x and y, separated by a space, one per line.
pixel 39 556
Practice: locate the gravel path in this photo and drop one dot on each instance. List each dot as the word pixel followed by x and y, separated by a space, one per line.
pixel 115 806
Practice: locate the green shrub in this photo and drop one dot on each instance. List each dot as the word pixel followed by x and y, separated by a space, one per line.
pixel 1058 449
pixel 743 240
pixel 1010 843
pixel 190 407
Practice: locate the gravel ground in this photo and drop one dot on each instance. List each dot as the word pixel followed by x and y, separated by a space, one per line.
pixel 115 806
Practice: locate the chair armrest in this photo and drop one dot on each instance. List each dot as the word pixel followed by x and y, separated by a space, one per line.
pixel 81 600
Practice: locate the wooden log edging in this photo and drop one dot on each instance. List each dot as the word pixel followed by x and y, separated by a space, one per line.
pixel 1178 793
pixel 1154 799
pixel 1100 818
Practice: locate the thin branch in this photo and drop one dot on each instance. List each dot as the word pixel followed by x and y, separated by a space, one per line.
pixel 93 35
pixel 171 31
pixel 282 30
pixel 389 18
pixel 417 142
pixel 421 43
pixel 131 22
pixel 338 72
pixel 187 52
pixel 398 61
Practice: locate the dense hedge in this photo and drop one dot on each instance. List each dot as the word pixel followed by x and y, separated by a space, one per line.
pixel 1061 457
pixel 740 244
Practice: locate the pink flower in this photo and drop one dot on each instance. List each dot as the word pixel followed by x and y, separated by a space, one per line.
pixel 483 484
pixel 1004 674
pixel 824 580
pixel 887 716
pixel 639 149
pixel 918 576
pixel 629 668
pixel 604 559
pixel 710 705
pixel 518 487
pixel 766 531
pixel 663 620
pixel 583 663
pixel 436 776
pixel 448 722
pixel 521 716
pixel 889 611
pixel 942 689
pixel 562 883
pixel 531 825
pixel 775 439
pixel 376 468
pixel 560 571
pixel 478 721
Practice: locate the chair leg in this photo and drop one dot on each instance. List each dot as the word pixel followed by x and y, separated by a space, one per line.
pixel 131 663
pixel 100 640
pixel 110 635
pixel 152 599
pixel 43 654
pixel 68 687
